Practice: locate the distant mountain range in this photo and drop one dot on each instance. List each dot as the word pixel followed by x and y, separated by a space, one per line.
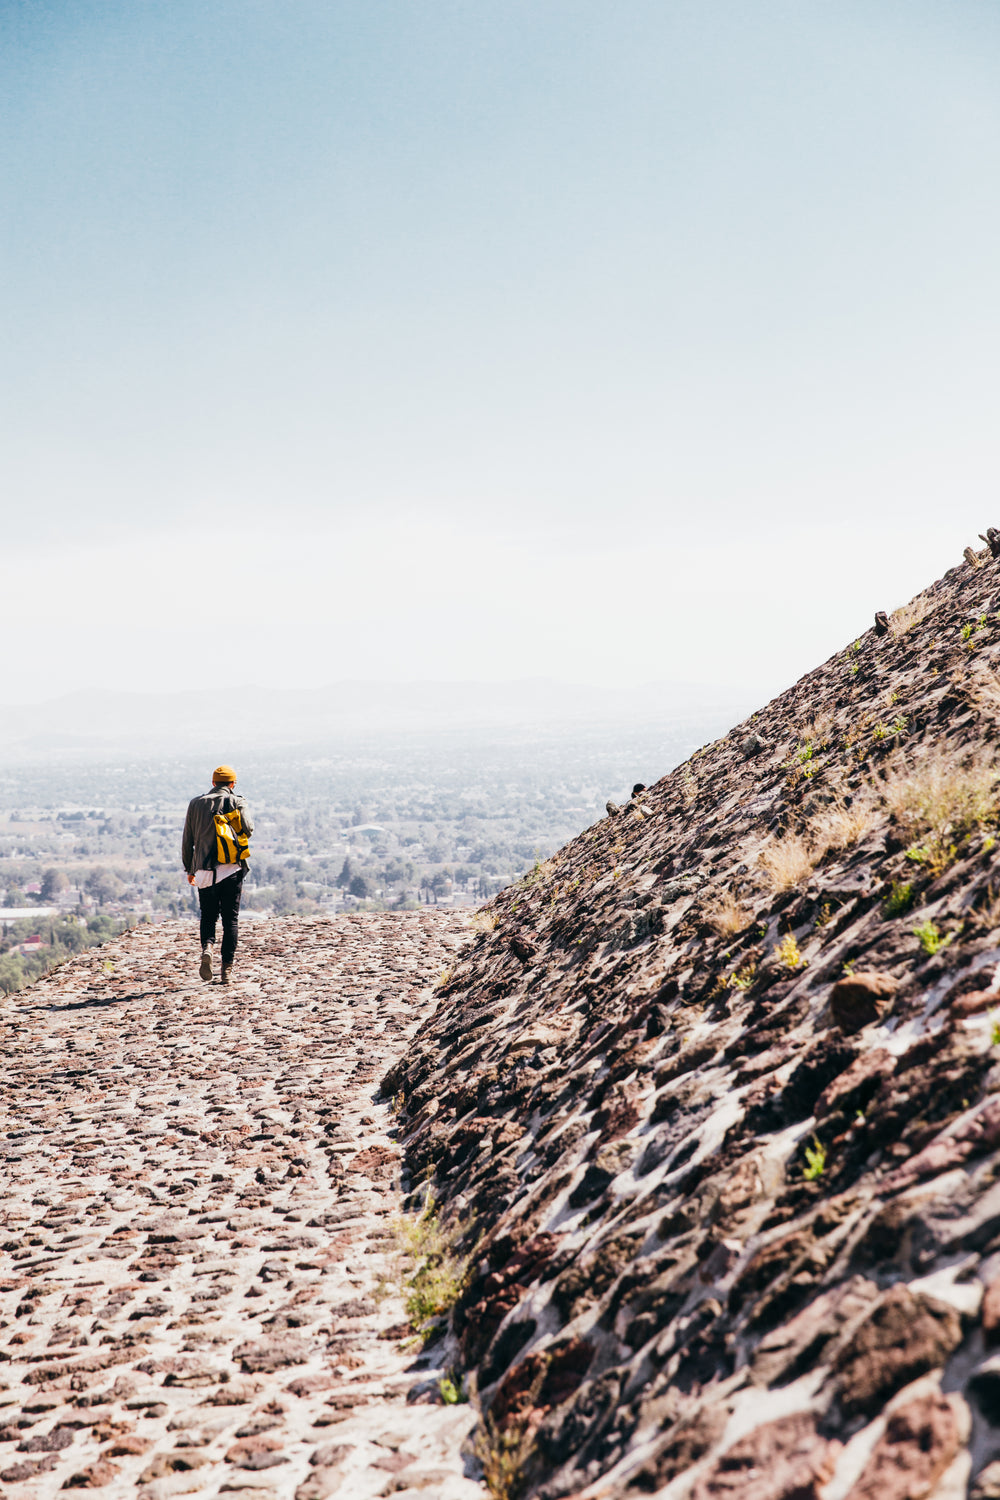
pixel 246 717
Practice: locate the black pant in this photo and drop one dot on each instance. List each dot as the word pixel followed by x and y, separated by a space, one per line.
pixel 222 900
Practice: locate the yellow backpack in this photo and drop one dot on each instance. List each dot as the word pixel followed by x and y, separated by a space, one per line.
pixel 231 843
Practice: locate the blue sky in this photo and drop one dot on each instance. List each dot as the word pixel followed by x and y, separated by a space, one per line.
pixel 654 340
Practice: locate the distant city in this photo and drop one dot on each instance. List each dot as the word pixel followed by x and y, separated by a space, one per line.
pixel 397 820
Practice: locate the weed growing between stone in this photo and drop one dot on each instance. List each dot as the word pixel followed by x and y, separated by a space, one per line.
pixel 815 1161
pixel 788 861
pixel 930 940
pixel 935 858
pixel 502 1455
pixel 883 731
pixel 452 1391
pixel 788 953
pixel 427 1272
pixel 899 899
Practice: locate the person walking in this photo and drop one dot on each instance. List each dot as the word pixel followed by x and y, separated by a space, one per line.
pixel 214 852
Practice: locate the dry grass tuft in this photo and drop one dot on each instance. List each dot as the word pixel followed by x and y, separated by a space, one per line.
pixel 727 915
pixel 787 861
pixel 840 825
pixel 907 615
pixel 816 731
pixel 940 797
pixel 934 802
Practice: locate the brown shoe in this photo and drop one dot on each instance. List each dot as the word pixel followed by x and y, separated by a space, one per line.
pixel 227 969
pixel 206 964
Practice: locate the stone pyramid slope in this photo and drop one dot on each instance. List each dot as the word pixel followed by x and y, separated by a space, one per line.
pixel 713 1102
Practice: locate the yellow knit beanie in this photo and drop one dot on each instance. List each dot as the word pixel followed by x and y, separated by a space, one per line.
pixel 222 774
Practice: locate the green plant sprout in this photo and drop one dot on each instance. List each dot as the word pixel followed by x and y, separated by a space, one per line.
pixel 994 1029
pixel 884 731
pixel 936 856
pixel 744 978
pixel 815 1160
pixel 788 953
pixel 451 1391
pixel 930 940
pixel 899 899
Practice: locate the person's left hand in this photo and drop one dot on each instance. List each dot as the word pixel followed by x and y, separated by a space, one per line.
pixel 190 880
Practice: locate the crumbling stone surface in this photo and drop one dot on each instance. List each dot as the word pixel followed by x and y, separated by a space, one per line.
pixel 861 999
pixel 782 1460
pixel 920 1440
pixel 196 1194
pixel 904 1336
pixel 714 1094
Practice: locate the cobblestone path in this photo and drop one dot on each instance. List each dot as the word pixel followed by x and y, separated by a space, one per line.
pixel 194 1209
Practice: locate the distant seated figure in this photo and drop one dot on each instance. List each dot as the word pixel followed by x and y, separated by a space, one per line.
pixel 214 851
pixel 971 557
pixel 881 622
pixel 640 786
pixel 992 540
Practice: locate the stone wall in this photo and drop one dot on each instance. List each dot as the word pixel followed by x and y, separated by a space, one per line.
pixel 712 1102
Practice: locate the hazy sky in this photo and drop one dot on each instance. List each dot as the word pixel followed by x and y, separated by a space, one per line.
pixel 360 338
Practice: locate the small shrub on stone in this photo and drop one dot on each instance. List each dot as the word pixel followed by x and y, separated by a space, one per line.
pixel 846 820
pixel 428 1270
